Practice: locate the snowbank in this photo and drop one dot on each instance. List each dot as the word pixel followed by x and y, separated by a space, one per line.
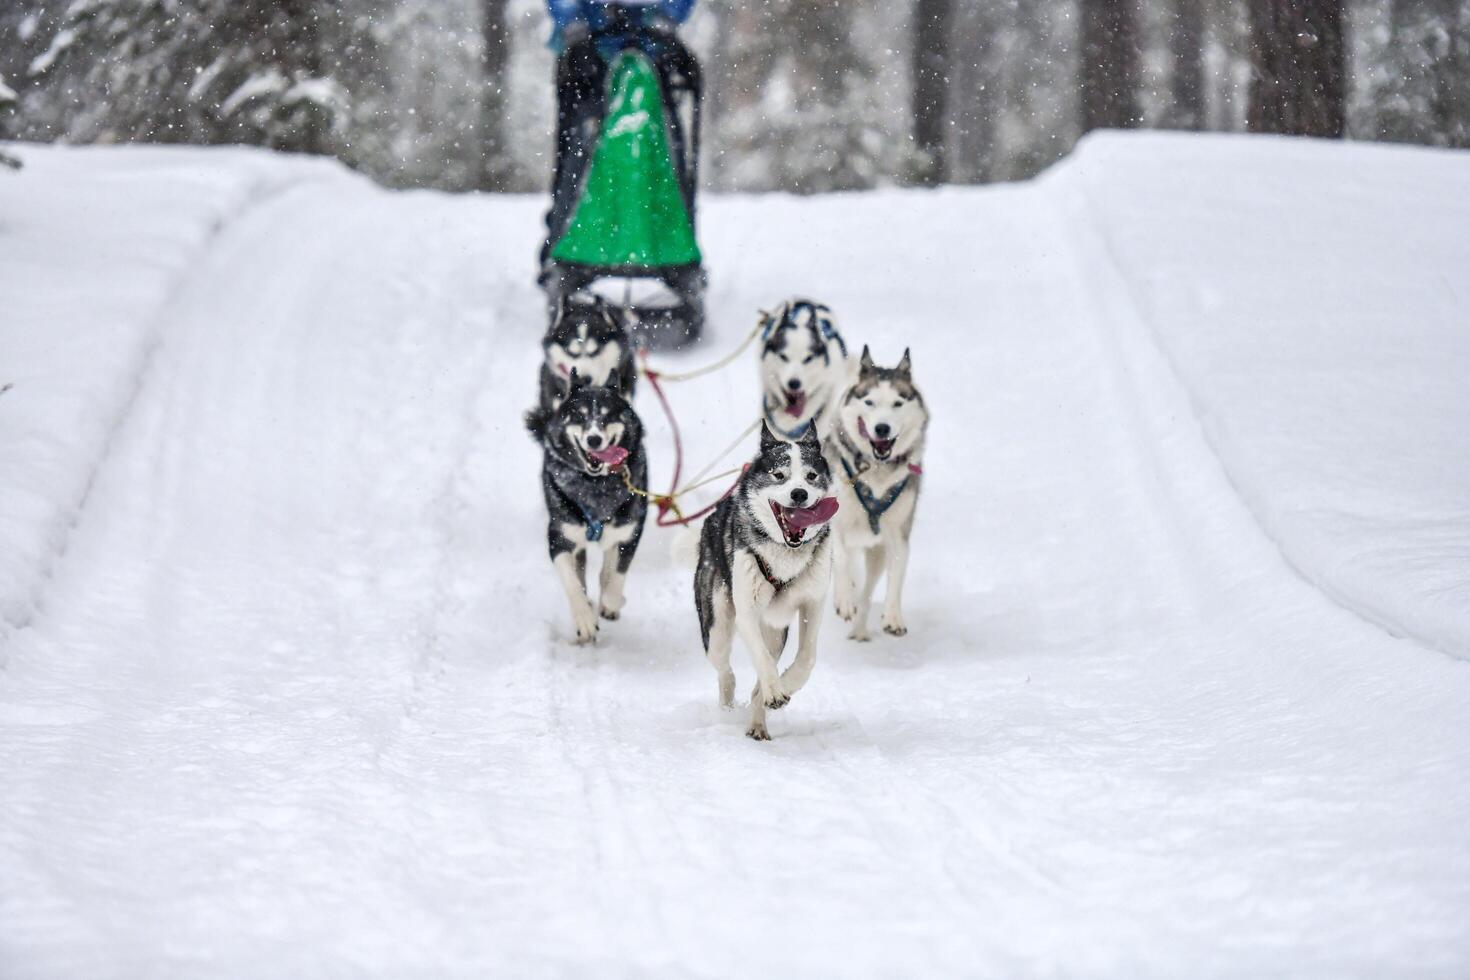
pixel 1314 299
pixel 93 244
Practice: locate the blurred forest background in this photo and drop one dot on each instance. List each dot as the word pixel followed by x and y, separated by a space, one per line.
pixel 803 95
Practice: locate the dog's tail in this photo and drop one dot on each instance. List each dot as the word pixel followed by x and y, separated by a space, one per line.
pixel 684 547
pixel 536 421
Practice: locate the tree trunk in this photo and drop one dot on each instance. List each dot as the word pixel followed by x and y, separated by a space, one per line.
pixel 1109 65
pixel 306 16
pixel 495 161
pixel 932 23
pixel 1299 62
pixel 978 90
pixel 1186 45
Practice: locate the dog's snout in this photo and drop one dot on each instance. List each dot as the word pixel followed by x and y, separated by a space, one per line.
pixel 594 441
pixel 798 496
pixel 882 429
pixel 794 384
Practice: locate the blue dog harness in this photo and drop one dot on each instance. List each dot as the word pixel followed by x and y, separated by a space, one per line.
pixel 594 526
pixel 875 506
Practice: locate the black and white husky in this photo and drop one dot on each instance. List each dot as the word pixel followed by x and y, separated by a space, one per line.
pixel 587 335
pixel 588 442
pixel 879 445
pixel 764 559
pixel 803 368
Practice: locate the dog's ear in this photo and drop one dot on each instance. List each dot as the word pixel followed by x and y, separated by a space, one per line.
pixel 558 313
pixel 905 369
pixel 612 314
pixel 537 419
pixel 768 438
pixel 616 317
pixel 866 367
pixel 768 323
pixel 809 437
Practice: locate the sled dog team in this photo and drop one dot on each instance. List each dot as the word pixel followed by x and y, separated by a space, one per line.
pixel 831 492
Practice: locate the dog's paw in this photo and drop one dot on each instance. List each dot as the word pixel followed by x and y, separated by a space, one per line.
pixel 846 609
pixel 758 732
pixel 893 625
pixel 860 634
pixel 776 697
pixel 611 615
pixel 584 621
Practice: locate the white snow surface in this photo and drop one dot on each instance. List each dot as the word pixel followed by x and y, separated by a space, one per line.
pixel 1322 329
pixel 287 688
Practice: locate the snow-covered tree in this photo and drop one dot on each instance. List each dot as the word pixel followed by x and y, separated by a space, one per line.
pixel 1424 92
pixel 804 95
pixel 1014 92
pixel 288 74
pixel 795 99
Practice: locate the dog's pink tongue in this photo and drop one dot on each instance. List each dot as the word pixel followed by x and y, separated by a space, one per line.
pixel 795 405
pixel 818 513
pixel 612 455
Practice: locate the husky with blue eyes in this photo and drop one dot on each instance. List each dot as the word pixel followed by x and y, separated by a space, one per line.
pixel 803 368
pixel 878 446
pixel 765 559
pixel 587 337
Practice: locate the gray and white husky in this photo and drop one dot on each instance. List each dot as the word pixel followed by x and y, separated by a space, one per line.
pixel 879 445
pixel 765 559
pixel 587 336
pixel 803 368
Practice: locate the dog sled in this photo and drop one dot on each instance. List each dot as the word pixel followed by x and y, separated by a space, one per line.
pixel 622 221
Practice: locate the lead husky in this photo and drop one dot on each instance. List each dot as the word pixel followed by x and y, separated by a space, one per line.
pixel 879 443
pixel 587 336
pixel 764 558
pixel 588 442
pixel 803 368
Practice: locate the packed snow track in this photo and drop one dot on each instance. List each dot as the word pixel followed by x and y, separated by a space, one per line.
pixel 286 681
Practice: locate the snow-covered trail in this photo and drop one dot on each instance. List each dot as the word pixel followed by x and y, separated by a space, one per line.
pixel 297 696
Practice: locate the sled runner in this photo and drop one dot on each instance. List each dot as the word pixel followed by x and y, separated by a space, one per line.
pixel 622 217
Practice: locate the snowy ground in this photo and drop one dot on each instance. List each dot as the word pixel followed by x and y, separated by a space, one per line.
pixel 287 688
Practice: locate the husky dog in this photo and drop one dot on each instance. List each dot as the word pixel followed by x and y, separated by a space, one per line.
pixel 591 438
pixel 879 443
pixel 764 558
pixel 803 368
pixel 587 335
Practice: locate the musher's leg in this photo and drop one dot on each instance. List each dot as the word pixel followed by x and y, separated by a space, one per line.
pixel 581 82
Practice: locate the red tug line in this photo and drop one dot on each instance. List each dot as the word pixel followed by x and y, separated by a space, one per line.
pixel 669 514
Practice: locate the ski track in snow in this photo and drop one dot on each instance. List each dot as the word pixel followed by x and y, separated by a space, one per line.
pixel 80 336
pixel 300 698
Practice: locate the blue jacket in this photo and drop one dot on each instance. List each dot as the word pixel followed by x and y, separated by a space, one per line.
pixel 594 13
